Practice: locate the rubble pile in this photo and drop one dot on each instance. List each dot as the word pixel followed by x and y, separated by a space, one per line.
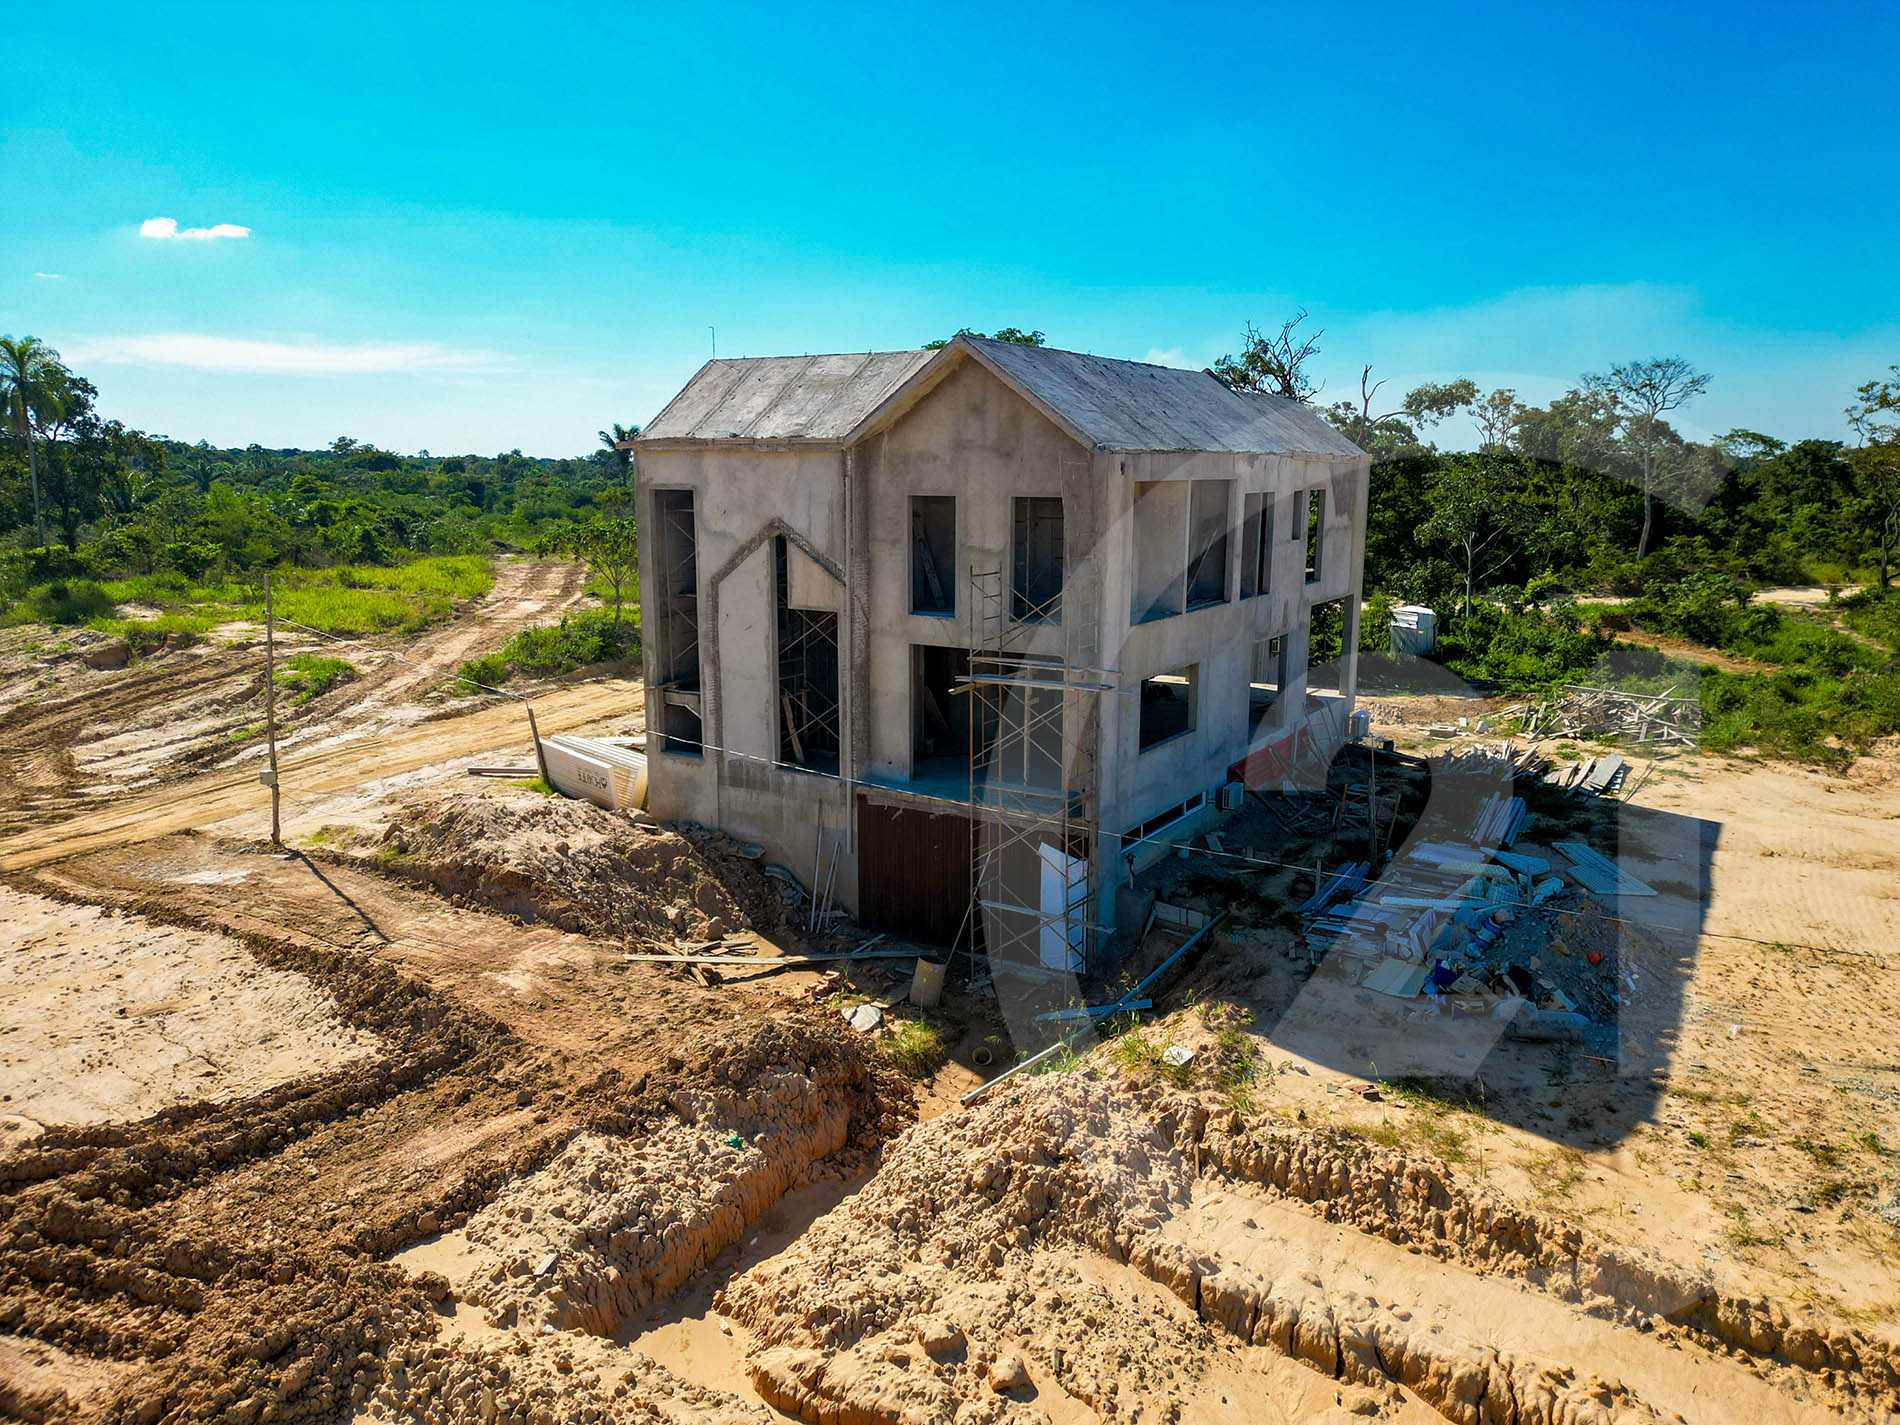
pixel 579 867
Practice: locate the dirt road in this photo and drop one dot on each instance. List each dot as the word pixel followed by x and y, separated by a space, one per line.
pixel 78 727
pixel 321 779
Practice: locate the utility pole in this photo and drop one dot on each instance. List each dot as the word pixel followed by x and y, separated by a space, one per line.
pixel 270 712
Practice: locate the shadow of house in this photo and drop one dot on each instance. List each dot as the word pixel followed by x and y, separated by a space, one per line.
pixel 1454 1047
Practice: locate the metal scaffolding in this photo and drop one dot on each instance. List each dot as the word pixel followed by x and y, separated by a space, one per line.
pixel 678 573
pixel 807 677
pixel 1034 729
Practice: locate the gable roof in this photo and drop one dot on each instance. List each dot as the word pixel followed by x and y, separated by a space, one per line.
pixel 817 398
pixel 1130 405
pixel 1101 402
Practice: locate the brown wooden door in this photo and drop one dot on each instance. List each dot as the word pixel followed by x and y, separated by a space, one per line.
pixel 913 871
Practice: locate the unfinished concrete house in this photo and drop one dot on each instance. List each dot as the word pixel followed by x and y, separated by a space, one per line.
pixel 971 635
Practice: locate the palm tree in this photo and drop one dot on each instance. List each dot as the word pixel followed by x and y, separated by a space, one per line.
pixel 610 439
pixel 31 378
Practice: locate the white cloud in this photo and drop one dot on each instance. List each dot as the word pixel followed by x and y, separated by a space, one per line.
pixel 167 228
pixel 200 352
pixel 1173 356
pixel 51 276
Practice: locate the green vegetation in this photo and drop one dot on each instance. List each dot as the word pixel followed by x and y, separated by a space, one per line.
pixel 308 676
pixel 916 1047
pixel 346 600
pixel 579 640
pixel 362 540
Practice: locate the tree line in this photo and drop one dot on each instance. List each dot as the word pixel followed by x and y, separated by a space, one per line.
pixel 1596 491
pixel 82 495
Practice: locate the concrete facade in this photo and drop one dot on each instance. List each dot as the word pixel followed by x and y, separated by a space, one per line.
pixel 988 429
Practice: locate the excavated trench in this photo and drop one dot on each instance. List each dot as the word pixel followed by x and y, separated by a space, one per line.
pixel 468 1231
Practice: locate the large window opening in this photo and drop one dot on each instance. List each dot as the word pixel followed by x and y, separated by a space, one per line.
pixel 1208 504
pixel 1267 682
pixel 1161 531
pixel 1326 648
pixel 939 713
pixel 1256 546
pixel 1315 526
pixel 1169 702
pixel 933 554
pixel 1036 559
pixel 676 567
pixel 807 675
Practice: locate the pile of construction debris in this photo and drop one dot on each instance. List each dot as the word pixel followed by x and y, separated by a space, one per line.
pixel 1605 712
pixel 1447 921
pixel 574 865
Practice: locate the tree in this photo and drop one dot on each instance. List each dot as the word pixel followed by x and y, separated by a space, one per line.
pixel 1275 365
pixel 1643 393
pixel 1875 417
pixel 610 545
pixel 1497 416
pixel 1400 429
pixel 1015 336
pixel 610 440
pixel 32 381
pixel 1476 510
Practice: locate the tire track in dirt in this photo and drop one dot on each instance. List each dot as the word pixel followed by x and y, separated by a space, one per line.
pixel 207 800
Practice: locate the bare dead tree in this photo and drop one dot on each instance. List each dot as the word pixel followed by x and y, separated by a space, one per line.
pixel 1274 365
pixel 1391 432
pixel 1643 393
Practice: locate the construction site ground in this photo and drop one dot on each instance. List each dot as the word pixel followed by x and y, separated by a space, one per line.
pixel 351 1133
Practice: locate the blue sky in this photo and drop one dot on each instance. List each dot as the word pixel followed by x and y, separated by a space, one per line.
pixel 504 226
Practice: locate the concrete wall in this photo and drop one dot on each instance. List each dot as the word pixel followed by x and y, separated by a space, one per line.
pixel 744 496
pixel 973 438
pixel 1219 638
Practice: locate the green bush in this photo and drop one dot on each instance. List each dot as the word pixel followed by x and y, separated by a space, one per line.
pixel 1521 651
pixel 21 569
pixel 579 640
pixel 1805 716
pixel 63 601
pixel 1874 613
pixel 308 676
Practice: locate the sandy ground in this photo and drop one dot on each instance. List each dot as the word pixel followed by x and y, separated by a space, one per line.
pixel 74 735
pixel 456 1166
pixel 112 1019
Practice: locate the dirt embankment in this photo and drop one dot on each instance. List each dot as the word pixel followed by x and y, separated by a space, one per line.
pixel 231 1249
pixel 574 865
pixel 995 1259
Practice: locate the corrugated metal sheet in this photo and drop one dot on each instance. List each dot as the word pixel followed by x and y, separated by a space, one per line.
pixel 1114 405
pixel 1130 405
pixel 783 397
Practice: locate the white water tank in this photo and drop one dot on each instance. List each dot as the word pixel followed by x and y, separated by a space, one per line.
pixel 1413 630
pixel 607 772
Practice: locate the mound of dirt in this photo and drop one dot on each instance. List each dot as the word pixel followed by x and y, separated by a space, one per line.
pixel 1006 1253
pixel 577 866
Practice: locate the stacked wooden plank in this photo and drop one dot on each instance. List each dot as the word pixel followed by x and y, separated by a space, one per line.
pixel 1647 718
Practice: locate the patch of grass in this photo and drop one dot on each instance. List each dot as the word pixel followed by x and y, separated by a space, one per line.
pixel 579 640
pixel 535 784
pixel 1064 1061
pixel 308 676
pixel 63 601
pixel 246 733
pixel 1825 1154
pixel 1558 1173
pixel 1698 1138
pixel 915 1046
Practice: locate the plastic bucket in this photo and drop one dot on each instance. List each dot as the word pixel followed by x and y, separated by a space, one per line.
pixel 926 986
